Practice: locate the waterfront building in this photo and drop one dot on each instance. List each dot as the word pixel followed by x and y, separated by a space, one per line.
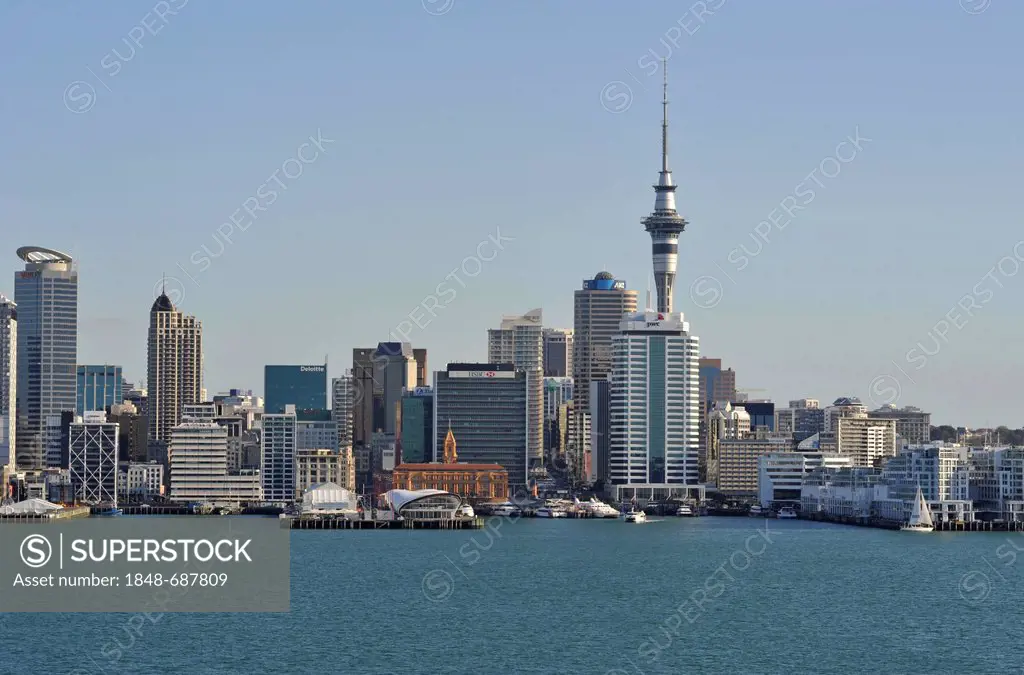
pixel 343 403
pixel 133 430
pixel 557 352
pixel 98 388
pixel 277 460
pixel 394 372
pixel 868 441
pixel 304 387
pixel 780 475
pixel 520 341
pixel 913 425
pixel 142 482
pixel 802 419
pixel 485 405
pixel 8 384
pixel 416 439
pixel 92 457
pixel 199 467
pixel 597 313
pixel 322 466
pixel 174 367
pixel 46 293
pixel 738 460
pixel 654 404
pixel 330 498
pixel 484 482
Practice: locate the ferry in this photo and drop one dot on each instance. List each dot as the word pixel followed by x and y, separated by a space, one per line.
pixel 786 512
pixel 636 517
pixel 506 509
pixel 685 510
pixel 465 511
pixel 550 512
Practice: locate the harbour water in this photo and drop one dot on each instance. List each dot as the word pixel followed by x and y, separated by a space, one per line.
pixel 678 595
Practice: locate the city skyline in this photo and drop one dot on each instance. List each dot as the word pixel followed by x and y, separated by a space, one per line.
pixel 863 254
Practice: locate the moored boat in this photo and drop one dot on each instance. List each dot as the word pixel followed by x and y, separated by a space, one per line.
pixel 786 512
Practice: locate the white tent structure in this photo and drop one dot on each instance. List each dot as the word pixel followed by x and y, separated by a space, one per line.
pixel 328 498
pixel 30 507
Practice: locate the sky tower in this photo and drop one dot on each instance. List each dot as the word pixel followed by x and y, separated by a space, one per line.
pixel 664 223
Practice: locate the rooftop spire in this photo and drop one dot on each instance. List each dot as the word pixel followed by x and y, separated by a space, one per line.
pixel 664 117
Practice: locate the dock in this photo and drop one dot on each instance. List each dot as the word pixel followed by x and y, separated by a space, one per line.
pixel 940 526
pixel 342 523
pixel 63 514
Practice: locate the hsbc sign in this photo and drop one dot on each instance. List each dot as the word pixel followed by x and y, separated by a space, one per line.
pixel 483 374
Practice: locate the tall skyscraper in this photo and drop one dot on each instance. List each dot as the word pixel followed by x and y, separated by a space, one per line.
pixel 362 409
pixel 343 392
pixel 654 411
pixel 174 368
pixel 277 461
pixel 417 437
pixel 520 341
pixel 304 387
pixel 598 310
pixel 557 352
pixel 665 224
pixel 394 372
pixel 8 381
pixel 98 388
pixel 422 378
pixel 46 293
pixel 484 404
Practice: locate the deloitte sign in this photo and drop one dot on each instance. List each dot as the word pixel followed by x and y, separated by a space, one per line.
pixel 312 369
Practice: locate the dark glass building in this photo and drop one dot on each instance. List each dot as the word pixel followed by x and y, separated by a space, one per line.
pixel 305 387
pixel 418 426
pixel 762 414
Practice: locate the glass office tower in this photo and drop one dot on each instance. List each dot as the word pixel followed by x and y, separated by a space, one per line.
pixel 99 387
pixel 46 293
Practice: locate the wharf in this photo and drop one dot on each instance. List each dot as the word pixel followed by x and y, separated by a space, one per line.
pixel 940 526
pixel 342 523
pixel 63 514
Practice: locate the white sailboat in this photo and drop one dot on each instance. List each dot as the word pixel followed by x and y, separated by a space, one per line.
pixel 920 516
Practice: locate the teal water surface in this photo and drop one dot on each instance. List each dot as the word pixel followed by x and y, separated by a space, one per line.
pixel 701 595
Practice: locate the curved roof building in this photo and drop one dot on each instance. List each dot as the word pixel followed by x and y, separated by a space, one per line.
pixel 422 504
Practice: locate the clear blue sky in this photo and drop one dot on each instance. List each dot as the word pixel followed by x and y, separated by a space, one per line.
pixel 492 115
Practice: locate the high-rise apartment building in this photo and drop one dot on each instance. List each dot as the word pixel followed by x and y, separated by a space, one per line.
pixel 846 406
pixel 485 406
pixel 343 402
pixel 912 424
pixel 868 441
pixel 520 341
pixel 46 293
pixel 174 367
pixel 277 460
pixel 304 387
pixel 557 352
pixel 654 410
pixel 92 451
pixel 598 309
pixel 8 382
pixel 199 466
pixel 98 388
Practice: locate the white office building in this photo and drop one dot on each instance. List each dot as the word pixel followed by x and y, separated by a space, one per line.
pixel 199 467
pixel 8 381
pixel 277 459
pixel 780 475
pixel 92 455
pixel 142 482
pixel 654 421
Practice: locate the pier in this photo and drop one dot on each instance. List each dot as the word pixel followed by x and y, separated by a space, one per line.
pixel 62 514
pixel 341 523
pixel 940 526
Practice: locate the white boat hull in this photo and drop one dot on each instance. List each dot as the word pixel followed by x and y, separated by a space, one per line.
pixel 917 528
